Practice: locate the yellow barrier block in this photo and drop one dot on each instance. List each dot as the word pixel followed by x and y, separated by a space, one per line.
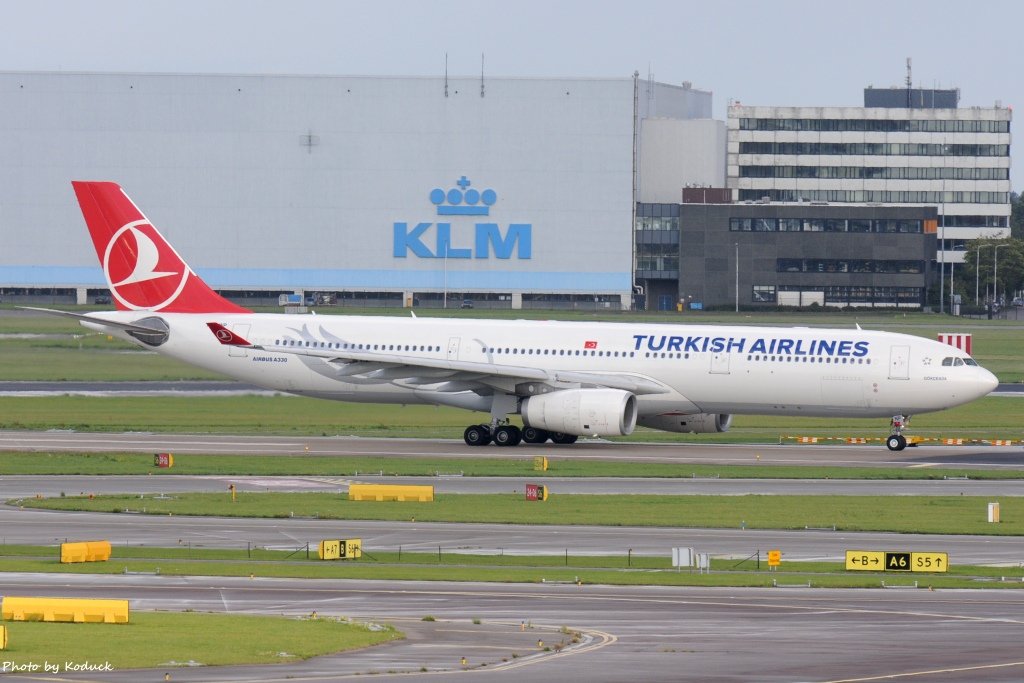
pixel 86 551
pixel 3 637
pixel 384 492
pixel 98 611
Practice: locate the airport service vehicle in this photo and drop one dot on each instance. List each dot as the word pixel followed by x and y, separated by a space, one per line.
pixel 565 379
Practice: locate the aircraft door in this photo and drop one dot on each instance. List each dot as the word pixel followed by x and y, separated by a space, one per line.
pixel 453 347
pixel 899 362
pixel 242 330
pixel 719 363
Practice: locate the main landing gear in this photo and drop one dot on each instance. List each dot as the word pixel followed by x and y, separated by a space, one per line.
pixel 896 440
pixel 511 435
pixel 501 432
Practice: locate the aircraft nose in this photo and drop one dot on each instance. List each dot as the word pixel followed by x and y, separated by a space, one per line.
pixel 988 381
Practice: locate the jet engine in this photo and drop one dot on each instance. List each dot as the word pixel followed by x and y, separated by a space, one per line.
pixel 700 423
pixel 583 412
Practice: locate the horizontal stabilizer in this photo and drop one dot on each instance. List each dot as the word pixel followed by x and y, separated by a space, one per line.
pixel 93 319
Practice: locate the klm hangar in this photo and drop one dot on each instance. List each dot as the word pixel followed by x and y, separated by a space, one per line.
pixel 496 192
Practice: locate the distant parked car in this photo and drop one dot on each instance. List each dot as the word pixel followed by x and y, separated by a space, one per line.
pixel 102 299
pixel 467 303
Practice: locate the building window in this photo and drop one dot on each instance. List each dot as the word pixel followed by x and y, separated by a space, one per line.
pixel 917 149
pixel 875 172
pixel 875 196
pixel 763 294
pixel 903 267
pixel 876 125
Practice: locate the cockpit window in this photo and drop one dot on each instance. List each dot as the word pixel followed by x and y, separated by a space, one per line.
pixel 947 361
pixel 959 362
pixel 971 361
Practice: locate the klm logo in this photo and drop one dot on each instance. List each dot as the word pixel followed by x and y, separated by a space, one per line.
pixel 442 240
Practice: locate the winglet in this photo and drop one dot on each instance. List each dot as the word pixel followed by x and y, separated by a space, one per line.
pixel 226 336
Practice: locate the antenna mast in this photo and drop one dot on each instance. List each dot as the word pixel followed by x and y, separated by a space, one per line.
pixel 910 84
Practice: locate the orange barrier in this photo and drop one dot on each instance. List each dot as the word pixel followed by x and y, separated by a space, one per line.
pixel 99 611
pixel 384 492
pixel 87 551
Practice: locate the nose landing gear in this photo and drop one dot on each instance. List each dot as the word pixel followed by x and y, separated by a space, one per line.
pixel 896 440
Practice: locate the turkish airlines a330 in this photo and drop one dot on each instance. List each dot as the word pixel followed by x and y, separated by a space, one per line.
pixel 565 379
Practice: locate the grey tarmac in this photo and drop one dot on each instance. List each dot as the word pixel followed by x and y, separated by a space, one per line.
pixel 629 633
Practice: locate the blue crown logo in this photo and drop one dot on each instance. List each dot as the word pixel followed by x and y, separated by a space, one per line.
pixel 462 200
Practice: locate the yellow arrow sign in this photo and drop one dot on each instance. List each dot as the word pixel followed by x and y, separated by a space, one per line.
pixel 865 560
pixel 929 562
pixel 330 550
pixel 883 561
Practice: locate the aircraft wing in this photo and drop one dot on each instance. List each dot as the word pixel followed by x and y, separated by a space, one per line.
pixel 451 375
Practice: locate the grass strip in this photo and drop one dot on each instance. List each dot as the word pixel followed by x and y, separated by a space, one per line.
pixel 901 514
pixel 992 417
pixel 36 463
pixel 169 639
pixel 622 569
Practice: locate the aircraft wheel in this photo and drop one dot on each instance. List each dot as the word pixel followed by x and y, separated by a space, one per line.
pixel 533 435
pixel 566 439
pixel 508 435
pixel 477 435
pixel 896 442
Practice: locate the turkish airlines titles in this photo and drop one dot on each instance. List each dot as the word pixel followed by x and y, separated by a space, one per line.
pixel 797 347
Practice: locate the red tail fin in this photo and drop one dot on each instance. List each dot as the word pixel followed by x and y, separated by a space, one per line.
pixel 143 271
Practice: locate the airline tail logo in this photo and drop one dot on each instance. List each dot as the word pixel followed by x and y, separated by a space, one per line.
pixel 141 274
pixel 142 270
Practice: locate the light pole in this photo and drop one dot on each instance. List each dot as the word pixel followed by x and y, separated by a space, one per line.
pixel 977 277
pixel 737 277
pixel 942 264
pixel 952 265
pixel 977 272
pixel 995 270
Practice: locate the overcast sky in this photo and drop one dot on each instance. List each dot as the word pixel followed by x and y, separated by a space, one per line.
pixel 782 52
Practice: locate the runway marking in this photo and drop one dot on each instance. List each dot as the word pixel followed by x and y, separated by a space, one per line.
pixel 773 602
pixel 170 439
pixel 923 464
pixel 913 674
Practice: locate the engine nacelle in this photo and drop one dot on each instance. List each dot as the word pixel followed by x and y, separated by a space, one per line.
pixel 583 412
pixel 700 423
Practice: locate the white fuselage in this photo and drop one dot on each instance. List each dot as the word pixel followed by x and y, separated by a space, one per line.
pixel 704 368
